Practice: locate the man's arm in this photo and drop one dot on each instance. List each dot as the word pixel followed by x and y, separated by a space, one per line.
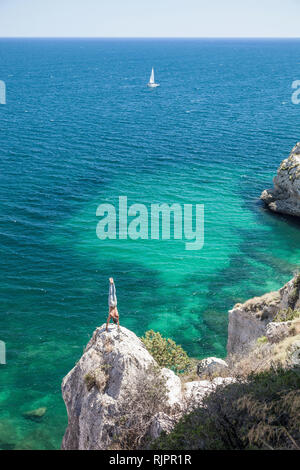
pixel 108 320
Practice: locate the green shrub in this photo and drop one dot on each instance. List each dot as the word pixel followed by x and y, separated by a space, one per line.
pixel 262 340
pixel 90 380
pixel 166 352
pixel 286 315
pixel 262 412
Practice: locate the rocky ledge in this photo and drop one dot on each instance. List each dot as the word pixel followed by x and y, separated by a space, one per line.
pixel 285 196
pixel 254 318
pixel 110 373
pixel 117 381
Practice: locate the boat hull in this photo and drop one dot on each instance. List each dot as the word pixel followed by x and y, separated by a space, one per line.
pixel 152 85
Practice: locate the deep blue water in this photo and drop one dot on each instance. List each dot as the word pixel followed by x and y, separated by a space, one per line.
pixel 81 128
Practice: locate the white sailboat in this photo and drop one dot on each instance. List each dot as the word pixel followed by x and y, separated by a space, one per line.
pixel 152 83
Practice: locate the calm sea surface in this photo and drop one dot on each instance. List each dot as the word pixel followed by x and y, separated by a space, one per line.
pixel 80 128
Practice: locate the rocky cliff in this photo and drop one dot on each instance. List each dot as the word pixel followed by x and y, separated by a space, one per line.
pixel 109 380
pixel 94 389
pixel 117 387
pixel 285 196
pixel 254 318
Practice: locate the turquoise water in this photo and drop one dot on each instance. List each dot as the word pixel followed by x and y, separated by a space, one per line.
pixel 81 128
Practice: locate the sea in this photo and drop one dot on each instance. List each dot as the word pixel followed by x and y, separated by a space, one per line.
pixel 80 128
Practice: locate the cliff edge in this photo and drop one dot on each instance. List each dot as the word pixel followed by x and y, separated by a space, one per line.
pixel 118 397
pixel 285 196
pixel 94 391
pixel 254 318
pixel 117 392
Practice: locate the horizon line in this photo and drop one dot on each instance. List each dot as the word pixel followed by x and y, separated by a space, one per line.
pixel 149 37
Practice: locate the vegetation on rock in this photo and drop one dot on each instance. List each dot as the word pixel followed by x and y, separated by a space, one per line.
pixel 139 405
pixel 262 340
pixel 166 352
pixel 287 315
pixel 262 412
pixel 97 377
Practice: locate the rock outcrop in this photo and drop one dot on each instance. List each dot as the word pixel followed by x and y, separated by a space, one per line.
pixel 36 414
pixel 161 422
pixel 285 196
pixel 277 331
pixel 108 372
pixel 211 367
pixel 249 321
pixel 94 389
pixel 115 366
pixel 294 353
pixel 195 391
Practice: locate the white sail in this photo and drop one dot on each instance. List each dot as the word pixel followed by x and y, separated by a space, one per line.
pixel 152 76
pixel 151 83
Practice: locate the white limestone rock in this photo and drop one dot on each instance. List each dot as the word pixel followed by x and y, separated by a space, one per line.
pixel 211 366
pixel 285 196
pixel 161 422
pixel 173 384
pixel 248 321
pixel 195 391
pixel 294 353
pixel 277 331
pixel 94 389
